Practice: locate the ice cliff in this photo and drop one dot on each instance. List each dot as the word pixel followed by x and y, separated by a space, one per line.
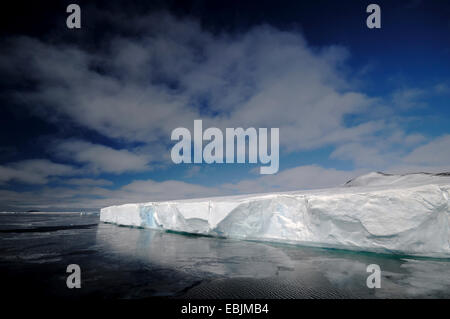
pixel 404 214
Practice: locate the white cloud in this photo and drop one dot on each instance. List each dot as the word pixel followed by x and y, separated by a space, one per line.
pixel 35 171
pixel 100 158
pixel 164 79
pixel 435 152
pixel 175 72
pixel 401 153
pixel 95 159
pixel 408 98
pixel 377 153
pixel 300 177
pixel 87 182
pixel 360 154
pixel 93 197
pixel 193 171
pixel 442 88
pixel 138 89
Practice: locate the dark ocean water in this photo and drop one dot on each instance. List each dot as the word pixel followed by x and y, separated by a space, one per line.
pixel 122 262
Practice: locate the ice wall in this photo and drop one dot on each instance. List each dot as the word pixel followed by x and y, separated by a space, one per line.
pixel 407 218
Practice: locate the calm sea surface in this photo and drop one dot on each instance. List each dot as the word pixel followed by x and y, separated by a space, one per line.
pixel 122 262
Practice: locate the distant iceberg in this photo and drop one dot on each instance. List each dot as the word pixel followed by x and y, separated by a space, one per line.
pixel 401 214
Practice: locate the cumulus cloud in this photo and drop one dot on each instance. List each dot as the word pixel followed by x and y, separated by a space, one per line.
pixel 93 159
pixel 91 196
pixel 139 88
pixel 100 158
pixel 94 197
pixel 35 171
pixel 166 72
pixel 409 98
pixel 175 72
pixel 377 153
pixel 300 177
pixel 194 170
pixel 400 153
pixel 435 152
pixel 88 182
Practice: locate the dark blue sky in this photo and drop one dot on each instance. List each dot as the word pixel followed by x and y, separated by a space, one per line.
pixel 86 114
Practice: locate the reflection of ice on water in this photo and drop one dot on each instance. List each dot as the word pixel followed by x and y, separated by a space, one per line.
pixel 194 254
pixel 321 272
pixel 429 278
pixel 123 262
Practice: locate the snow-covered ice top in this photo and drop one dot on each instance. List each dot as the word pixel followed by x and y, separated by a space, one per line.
pixel 404 214
pixel 382 179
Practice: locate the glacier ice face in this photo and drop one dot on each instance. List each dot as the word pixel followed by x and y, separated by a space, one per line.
pixel 406 215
